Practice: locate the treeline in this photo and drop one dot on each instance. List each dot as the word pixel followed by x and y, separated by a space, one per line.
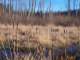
pixel 39 18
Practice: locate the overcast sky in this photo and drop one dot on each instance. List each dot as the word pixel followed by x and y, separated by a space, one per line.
pixel 56 5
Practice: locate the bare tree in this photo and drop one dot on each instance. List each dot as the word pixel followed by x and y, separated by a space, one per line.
pixel 50 6
pixel 74 4
pixel 5 6
pixel 33 5
pixel 68 7
pixel 79 6
pixel 41 5
pixel 10 4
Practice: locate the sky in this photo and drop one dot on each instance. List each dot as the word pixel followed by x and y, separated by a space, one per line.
pixel 56 5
